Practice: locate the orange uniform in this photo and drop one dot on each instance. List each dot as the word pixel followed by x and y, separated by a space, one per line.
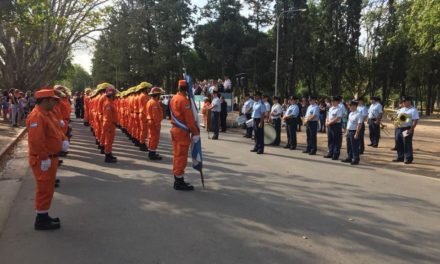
pixel 45 141
pixel 205 111
pixel 109 124
pixel 184 124
pixel 86 109
pixel 154 117
pixel 142 105
pixel 66 109
pixel 100 110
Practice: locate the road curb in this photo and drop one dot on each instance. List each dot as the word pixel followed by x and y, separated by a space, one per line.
pixel 4 152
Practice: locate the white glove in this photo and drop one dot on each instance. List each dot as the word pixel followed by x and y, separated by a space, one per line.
pixel 196 138
pixel 62 123
pixel 45 164
pixel 65 146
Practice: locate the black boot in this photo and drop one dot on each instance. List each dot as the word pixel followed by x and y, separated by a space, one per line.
pixel 181 185
pixel 137 143
pixel 143 147
pixel 96 142
pixel 109 158
pixel 154 156
pixel 102 149
pixel 45 222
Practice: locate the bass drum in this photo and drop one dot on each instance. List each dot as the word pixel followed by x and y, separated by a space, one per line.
pixel 269 134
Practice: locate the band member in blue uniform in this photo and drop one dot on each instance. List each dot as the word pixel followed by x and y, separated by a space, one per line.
pixel 291 119
pixel 311 122
pixel 258 115
pixel 374 118
pixel 407 119
pixel 354 125
pixel 334 129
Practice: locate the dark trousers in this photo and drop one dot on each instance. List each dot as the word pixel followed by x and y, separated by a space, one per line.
pixel 334 137
pixel 352 145
pixel 312 140
pixel 259 135
pixel 404 145
pixel 361 139
pixel 79 112
pixel 277 125
pixel 299 123
pixel 249 129
pixel 215 116
pixel 322 117
pixel 291 125
pixel 374 131
pixel 223 117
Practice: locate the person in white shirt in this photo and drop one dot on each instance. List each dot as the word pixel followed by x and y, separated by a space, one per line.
pixel 405 131
pixel 311 121
pixel 374 118
pixel 334 128
pixel 275 115
pixel 247 111
pixel 354 124
pixel 291 119
pixel 268 107
pixel 362 109
pixel 215 108
pixel 227 84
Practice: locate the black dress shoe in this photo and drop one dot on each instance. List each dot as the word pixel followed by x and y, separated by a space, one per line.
pixel 305 151
pixel 375 146
pixel 347 160
pixel 370 144
pixel 312 153
pixel 335 157
pixel 44 222
pixel 287 146
pixel 393 149
pixel 328 156
pixel 253 150
pixel 292 148
pixel 260 152
pixel 408 162
pixel 397 160
pixel 354 162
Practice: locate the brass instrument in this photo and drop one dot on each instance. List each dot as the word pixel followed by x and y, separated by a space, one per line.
pixel 401 119
pixel 384 128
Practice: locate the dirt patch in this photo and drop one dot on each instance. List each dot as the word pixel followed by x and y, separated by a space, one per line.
pixel 426 146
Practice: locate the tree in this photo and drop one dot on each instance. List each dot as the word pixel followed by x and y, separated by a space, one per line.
pixel 37 36
pixel 76 78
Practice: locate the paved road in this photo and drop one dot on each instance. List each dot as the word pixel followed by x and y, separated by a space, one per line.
pixel 281 207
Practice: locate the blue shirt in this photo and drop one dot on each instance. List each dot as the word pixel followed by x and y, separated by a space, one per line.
pixel 259 110
pixel 374 111
pixel 335 112
pixel 313 110
pixel 292 110
pixel 216 103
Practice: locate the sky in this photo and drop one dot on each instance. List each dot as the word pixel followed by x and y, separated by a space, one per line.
pixel 83 55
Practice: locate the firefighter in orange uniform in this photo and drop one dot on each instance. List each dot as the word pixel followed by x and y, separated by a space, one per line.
pixel 86 118
pixel 182 132
pixel 45 142
pixel 154 117
pixel 142 100
pixel 109 123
